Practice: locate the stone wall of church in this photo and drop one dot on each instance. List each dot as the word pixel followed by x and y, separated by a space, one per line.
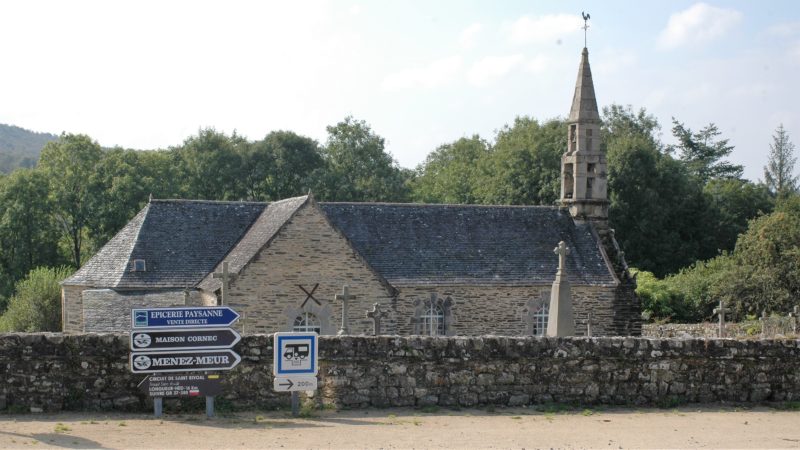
pixel 107 310
pixel 307 252
pixel 72 308
pixel 51 372
pixel 503 310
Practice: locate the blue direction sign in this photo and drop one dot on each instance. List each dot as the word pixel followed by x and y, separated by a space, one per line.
pixel 210 316
pixel 295 354
pixel 154 362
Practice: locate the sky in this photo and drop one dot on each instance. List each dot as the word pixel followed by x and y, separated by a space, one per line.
pixel 147 74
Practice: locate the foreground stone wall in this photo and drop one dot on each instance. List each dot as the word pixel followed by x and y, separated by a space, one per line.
pixel 50 372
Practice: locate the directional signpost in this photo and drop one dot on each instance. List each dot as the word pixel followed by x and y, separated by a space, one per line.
pixel 183 339
pixel 295 364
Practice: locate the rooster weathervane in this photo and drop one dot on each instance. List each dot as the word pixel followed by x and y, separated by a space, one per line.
pixel 586 18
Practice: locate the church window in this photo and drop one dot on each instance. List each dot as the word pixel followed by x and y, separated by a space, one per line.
pixel 590 168
pixel 540 317
pixel 588 144
pixel 433 321
pixel 306 322
pixel 138 266
pixel 572 133
pixel 588 132
pixel 589 184
pixel 568 181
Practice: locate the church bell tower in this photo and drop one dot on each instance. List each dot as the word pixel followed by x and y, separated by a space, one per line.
pixel 583 167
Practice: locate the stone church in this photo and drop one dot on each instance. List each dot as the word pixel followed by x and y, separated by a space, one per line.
pixel 302 265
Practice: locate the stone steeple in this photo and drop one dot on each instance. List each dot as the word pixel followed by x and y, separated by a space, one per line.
pixel 583 166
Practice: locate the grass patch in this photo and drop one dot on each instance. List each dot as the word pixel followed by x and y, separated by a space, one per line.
pixel 429 409
pixel 587 412
pixel 789 406
pixel 516 417
pixel 122 424
pixel 61 428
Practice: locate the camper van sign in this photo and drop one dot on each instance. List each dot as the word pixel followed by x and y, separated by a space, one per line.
pixel 295 354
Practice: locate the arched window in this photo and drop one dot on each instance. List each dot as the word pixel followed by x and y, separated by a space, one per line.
pixel 540 317
pixel 306 322
pixel 433 320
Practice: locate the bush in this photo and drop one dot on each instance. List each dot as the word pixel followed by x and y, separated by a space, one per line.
pixel 36 304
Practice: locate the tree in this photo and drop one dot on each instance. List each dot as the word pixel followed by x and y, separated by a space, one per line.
pixel 210 164
pixel 524 167
pixel 28 236
pixel 282 165
pixel 779 171
pixel 357 167
pixel 450 173
pixel 36 305
pixel 732 203
pixel 69 164
pixel 702 152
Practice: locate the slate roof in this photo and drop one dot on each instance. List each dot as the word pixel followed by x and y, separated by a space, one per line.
pixel 261 233
pixel 184 241
pixel 435 244
pixel 181 241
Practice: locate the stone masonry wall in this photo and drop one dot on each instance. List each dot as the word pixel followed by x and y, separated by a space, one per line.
pixel 50 372
pixel 105 310
pixel 72 308
pixel 308 251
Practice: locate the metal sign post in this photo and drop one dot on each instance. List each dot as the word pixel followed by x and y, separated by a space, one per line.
pixel 295 364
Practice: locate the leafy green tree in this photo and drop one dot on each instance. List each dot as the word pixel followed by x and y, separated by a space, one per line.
pixel 28 234
pixel 36 304
pixel 703 152
pixel 281 165
pixel 209 164
pixel 69 165
pixel 779 171
pixel 524 166
pixel 657 209
pixel 450 173
pixel 732 203
pixel 357 167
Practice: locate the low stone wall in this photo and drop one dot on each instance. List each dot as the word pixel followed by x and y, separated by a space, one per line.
pixel 775 326
pixel 50 372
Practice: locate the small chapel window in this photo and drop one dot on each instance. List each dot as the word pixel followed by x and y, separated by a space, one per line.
pixel 572 133
pixel 306 322
pixel 433 321
pixel 540 317
pixel 590 168
pixel 589 184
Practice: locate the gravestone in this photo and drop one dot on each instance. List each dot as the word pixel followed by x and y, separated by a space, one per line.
pixel 720 311
pixel 561 321
pixel 375 315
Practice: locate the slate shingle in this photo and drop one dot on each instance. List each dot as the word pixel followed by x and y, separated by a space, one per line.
pixel 433 244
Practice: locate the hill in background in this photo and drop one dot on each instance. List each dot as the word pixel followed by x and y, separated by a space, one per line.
pixel 20 147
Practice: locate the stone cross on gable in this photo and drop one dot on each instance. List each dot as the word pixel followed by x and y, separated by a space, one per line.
pixel 375 315
pixel 344 297
pixel 226 277
pixel 720 311
pixel 562 251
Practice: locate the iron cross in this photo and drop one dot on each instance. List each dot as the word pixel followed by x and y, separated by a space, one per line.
pixel 226 279
pixel 309 295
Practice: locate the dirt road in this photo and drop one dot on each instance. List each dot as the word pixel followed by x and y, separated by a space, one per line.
pixel 698 427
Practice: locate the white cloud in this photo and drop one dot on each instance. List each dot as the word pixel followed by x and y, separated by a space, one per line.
pixel 697 24
pixel 435 74
pixel 613 61
pixel 538 64
pixel 544 28
pixel 784 29
pixel 467 37
pixel 491 68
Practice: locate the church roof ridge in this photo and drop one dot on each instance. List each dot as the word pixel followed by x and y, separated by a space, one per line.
pixel 217 202
pixel 437 205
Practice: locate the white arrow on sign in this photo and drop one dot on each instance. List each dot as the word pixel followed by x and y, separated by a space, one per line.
pixel 295 383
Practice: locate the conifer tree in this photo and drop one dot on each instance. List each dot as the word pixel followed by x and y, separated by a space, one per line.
pixel 779 171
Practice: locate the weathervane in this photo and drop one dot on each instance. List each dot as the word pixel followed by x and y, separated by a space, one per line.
pixel 585 27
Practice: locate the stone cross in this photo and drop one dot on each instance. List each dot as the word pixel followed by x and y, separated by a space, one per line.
pixel 589 324
pixel 795 313
pixel 720 311
pixel 375 315
pixel 344 297
pixel 763 320
pixel 562 251
pixel 226 277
